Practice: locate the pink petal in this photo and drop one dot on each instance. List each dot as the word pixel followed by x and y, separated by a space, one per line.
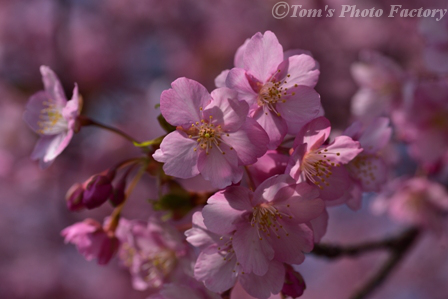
pixel 275 126
pixel 220 169
pixel 376 135
pixel 370 171
pixel 300 108
pixel 239 293
pixel 339 182
pixel 304 205
pixel 53 86
pixel 177 152
pixel 49 147
pixel 215 271
pixel 249 143
pixel 226 110
pixel 319 226
pixel 302 70
pixel 270 164
pixel 253 254
pixel 292 52
pixel 263 286
pixel 225 208
pixel 292 240
pixel 262 56
pixel 295 161
pixel 198 235
pixel 273 189
pixel 367 104
pixel 220 80
pixel 238 81
pixel 71 110
pixel 181 104
pixel 239 55
pixel 343 149
pixel 314 133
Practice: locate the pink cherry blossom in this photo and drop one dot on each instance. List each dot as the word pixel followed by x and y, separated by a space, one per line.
pixel 218 267
pixel 153 251
pixel 50 115
pixel 369 169
pixel 268 224
pixel 415 201
pixel 92 240
pixel 381 83
pixel 320 164
pixel 213 137
pixel 423 123
pixel 277 86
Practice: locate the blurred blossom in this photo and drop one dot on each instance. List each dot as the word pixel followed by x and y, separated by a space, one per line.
pixel 92 240
pixel 415 201
pixel 154 252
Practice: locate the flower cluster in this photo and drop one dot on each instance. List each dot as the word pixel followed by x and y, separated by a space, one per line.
pixel 267 166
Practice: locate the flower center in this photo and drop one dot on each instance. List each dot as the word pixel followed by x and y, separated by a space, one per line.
pixel 50 119
pixel 273 92
pixel 207 135
pixel 156 266
pixel 317 165
pixel 266 218
pixel 362 169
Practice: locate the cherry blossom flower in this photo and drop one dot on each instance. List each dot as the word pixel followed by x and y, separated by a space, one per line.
pixel 382 84
pixel 415 201
pixel 320 164
pixel 368 169
pixel 92 240
pixel 218 267
pixel 50 115
pixel 213 136
pixel 153 251
pixel 277 86
pixel 423 123
pixel 268 224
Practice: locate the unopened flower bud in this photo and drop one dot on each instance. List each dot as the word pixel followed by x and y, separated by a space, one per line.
pixel 118 193
pixel 97 192
pixel 294 285
pixel 74 198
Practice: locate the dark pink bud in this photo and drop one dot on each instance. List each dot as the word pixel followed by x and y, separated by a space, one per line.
pixel 118 194
pixel 74 198
pixel 294 285
pixel 98 190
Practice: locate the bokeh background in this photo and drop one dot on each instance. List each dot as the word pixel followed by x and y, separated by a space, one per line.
pixel 122 54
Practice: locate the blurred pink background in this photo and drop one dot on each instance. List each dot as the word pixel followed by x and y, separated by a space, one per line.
pixel 122 54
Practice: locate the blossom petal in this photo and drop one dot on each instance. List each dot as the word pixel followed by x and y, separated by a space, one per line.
pixel 314 133
pixel 274 125
pixel 376 135
pixel 220 80
pixel 52 86
pixel 253 254
pixel 220 169
pixel 304 205
pixel 292 240
pixel 300 108
pixel 181 104
pixel 198 235
pixel 263 286
pixel 249 143
pixel 225 110
pixel 238 81
pixel 279 186
pixel 302 70
pixel 338 183
pixel 343 149
pixel 262 56
pixel 225 208
pixel 176 151
pixel 215 270
pixel 319 226
pixel 239 55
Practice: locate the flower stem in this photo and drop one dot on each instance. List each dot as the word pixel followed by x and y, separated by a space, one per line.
pixel 115 217
pixel 85 121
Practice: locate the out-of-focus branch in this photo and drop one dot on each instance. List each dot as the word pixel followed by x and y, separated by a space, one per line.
pixel 334 251
pixel 398 246
pixel 399 250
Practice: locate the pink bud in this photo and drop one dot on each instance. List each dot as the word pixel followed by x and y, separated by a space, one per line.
pixel 74 198
pixel 118 193
pixel 294 285
pixel 97 192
